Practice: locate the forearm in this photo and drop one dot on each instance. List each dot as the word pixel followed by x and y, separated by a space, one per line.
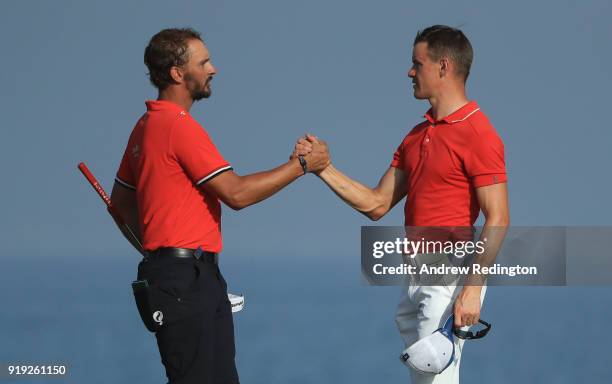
pixel 124 210
pixel 467 305
pixel 493 234
pixel 126 219
pixel 259 186
pixel 353 193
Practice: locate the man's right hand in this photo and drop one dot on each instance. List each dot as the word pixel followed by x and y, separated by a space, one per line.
pixel 315 152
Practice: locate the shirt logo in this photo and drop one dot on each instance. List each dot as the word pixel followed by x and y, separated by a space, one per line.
pixel 136 151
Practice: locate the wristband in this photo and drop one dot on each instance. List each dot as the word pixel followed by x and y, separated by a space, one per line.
pixel 303 163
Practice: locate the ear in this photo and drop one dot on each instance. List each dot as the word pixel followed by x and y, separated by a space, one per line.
pixel 176 74
pixel 444 66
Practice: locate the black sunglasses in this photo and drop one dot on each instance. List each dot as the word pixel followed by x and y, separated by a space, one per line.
pixel 470 335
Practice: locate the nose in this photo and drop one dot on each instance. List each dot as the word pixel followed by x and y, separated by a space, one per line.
pixel 411 72
pixel 212 70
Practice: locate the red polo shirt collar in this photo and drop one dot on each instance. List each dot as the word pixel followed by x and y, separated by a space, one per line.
pixel 163 105
pixel 459 115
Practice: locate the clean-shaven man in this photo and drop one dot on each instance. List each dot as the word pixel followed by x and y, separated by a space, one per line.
pixel 449 167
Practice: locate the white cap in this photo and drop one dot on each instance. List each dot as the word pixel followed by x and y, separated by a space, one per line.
pixel 433 353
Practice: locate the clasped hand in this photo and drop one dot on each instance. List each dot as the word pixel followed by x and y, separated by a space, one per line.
pixel 315 152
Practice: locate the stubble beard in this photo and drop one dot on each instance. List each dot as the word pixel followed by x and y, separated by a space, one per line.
pixel 197 91
pixel 201 94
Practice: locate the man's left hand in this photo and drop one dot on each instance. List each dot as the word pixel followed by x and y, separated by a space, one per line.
pixel 467 306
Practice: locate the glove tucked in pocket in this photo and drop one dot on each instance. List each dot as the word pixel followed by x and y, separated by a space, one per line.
pixel 159 307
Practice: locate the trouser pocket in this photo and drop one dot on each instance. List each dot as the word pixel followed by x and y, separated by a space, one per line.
pixel 160 304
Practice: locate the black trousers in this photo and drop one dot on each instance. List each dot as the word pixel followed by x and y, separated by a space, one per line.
pixel 198 347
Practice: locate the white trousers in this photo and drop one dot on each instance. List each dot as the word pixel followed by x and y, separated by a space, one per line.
pixel 422 310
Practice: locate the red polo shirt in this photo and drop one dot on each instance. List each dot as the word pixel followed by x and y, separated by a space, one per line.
pixel 444 162
pixel 168 156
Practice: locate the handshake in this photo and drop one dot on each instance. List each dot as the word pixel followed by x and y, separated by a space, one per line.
pixel 314 151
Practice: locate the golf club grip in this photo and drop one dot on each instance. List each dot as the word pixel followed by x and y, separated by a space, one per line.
pixel 94 183
pixel 106 198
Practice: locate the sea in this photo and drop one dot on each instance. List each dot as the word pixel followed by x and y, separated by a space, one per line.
pixel 306 320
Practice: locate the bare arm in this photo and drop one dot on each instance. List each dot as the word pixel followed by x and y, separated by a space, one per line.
pixel 493 200
pixel 239 192
pixel 125 205
pixel 372 202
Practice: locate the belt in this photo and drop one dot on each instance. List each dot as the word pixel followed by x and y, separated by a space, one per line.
pixel 198 254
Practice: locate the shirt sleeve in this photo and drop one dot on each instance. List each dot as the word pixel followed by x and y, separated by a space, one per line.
pixel 125 176
pixel 484 163
pixel 398 156
pixel 195 152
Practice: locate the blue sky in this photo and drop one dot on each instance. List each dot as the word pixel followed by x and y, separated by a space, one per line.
pixel 74 84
